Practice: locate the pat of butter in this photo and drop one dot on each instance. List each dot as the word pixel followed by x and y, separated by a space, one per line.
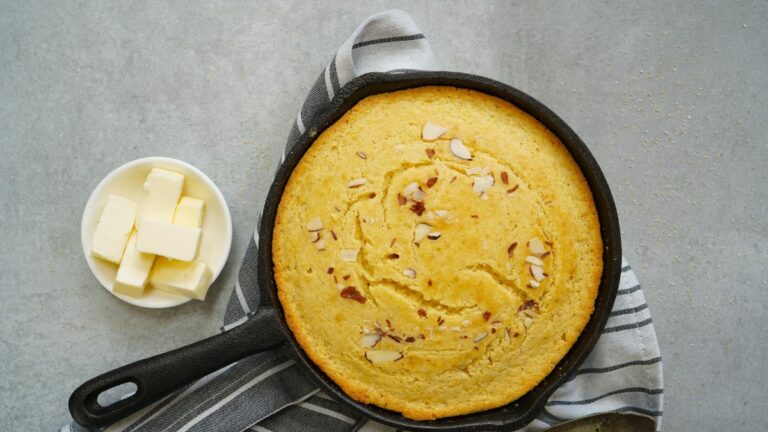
pixel 189 212
pixel 114 227
pixel 190 279
pixel 168 240
pixel 162 190
pixel 134 270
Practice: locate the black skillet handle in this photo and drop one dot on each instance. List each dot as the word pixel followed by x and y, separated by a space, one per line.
pixel 162 374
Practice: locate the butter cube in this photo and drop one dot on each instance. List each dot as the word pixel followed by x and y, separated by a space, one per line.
pixel 190 279
pixel 114 227
pixel 189 212
pixel 168 240
pixel 134 270
pixel 162 190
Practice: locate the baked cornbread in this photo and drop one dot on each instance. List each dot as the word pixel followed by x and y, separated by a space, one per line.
pixel 437 251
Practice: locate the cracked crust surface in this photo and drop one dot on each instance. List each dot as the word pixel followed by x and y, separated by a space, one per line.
pixel 473 333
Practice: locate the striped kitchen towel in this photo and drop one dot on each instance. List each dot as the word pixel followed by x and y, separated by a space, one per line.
pixel 270 392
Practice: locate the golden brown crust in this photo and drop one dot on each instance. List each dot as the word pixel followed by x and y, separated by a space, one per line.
pixel 486 352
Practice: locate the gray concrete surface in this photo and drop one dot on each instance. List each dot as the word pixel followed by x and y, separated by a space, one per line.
pixel 670 96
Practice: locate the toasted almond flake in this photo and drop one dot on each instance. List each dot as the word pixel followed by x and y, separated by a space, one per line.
pixel 482 184
pixel 352 293
pixel 410 189
pixel 486 315
pixel 393 256
pixel 528 321
pixel 511 249
pixel 453 179
pixel 333 234
pixel 418 207
pixel 401 199
pixel 432 131
pixel 409 273
pixel 430 153
pixel 362 155
pixel 431 181
pixel 434 235
pixel 315 224
pixel 512 190
pixel 330 270
pixel 496 323
pixel 504 177
pixel 348 255
pixel 537 272
pixel 422 231
pixel 355 183
pixel 459 149
pixel 418 195
pixel 536 246
pixel 534 260
pixel 422 313
pixel 370 340
pixel 534 283
pixel 480 337
pixel 314 236
pixel 320 244
pixel 381 356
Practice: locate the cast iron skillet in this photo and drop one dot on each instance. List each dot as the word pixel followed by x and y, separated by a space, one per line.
pixel 158 376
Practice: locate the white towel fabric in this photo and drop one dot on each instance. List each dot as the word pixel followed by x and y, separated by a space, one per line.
pixel 270 392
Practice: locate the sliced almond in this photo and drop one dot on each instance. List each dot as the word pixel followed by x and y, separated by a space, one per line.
pixel 348 255
pixel 442 213
pixel 315 224
pixel 381 356
pixel 534 260
pixel 534 283
pixel 362 155
pixel 536 246
pixel 480 337
pixel 459 149
pixel 434 235
pixel 409 273
pixel 418 195
pixel 370 340
pixel 482 184
pixel 537 272
pixel 527 322
pixel 422 231
pixel 410 189
pixel 355 183
pixel 511 249
pixel 314 236
pixel 320 244
pixel 432 131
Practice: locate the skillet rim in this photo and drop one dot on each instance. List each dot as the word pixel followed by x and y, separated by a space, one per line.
pixel 523 410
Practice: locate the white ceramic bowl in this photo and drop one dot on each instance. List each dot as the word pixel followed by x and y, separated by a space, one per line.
pixel 127 181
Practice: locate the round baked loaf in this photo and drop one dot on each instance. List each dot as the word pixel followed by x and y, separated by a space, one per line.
pixel 437 251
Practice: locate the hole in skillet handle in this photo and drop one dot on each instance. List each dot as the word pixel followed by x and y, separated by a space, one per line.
pixel 522 411
pixel 115 394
